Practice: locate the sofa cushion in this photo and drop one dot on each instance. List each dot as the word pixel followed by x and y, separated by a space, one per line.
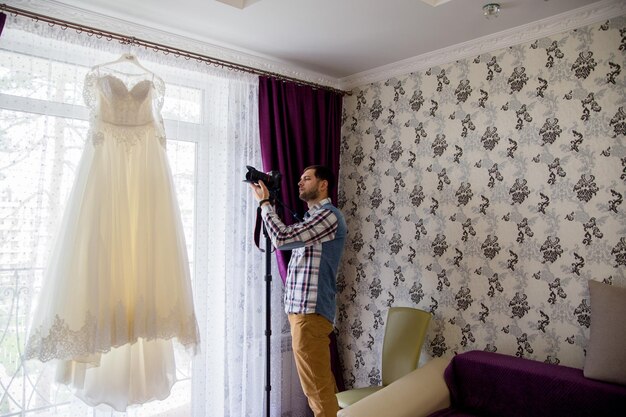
pixel 492 384
pixel 451 412
pixel 606 352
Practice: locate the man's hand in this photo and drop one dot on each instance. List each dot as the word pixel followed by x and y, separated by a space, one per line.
pixel 260 191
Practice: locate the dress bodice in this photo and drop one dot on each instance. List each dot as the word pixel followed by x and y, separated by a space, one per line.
pixel 124 101
pixel 120 105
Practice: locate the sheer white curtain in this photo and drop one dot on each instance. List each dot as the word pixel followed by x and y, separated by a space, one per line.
pixel 212 130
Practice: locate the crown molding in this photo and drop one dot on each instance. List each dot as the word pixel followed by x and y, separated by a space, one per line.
pixel 163 36
pixel 563 22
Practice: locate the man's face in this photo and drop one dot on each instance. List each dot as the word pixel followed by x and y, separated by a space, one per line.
pixel 309 186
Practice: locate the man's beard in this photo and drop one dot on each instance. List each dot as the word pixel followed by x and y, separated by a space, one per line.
pixel 309 195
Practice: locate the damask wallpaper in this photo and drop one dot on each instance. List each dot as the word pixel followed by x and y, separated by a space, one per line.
pixel 487 191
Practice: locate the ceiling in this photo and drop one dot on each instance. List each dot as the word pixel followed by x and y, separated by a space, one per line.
pixel 335 38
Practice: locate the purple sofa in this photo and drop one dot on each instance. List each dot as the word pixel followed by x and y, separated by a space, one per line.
pixel 496 385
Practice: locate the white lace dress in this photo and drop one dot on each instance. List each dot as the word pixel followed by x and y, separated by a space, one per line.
pixel 117 291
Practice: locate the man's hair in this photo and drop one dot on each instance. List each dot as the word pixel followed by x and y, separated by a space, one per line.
pixel 323 173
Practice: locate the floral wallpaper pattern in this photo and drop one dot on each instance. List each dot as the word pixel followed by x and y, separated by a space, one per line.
pixel 487 191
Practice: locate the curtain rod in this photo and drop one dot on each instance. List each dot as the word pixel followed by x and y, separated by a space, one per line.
pixel 133 41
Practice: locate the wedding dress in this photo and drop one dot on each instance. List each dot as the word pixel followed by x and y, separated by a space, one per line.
pixel 117 291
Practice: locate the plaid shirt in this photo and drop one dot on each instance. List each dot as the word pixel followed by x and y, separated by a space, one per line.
pixel 316 244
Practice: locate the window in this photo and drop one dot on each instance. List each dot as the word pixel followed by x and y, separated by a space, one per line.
pixel 211 123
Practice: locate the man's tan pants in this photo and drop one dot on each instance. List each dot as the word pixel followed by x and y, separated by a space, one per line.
pixel 311 350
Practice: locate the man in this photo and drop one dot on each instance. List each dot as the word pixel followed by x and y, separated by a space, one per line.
pixel 316 244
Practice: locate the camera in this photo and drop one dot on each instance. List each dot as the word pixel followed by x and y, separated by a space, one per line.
pixel 271 180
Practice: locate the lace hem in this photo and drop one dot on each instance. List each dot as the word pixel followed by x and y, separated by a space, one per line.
pixel 60 342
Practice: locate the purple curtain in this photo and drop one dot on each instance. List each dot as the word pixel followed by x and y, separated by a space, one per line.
pixel 299 126
pixel 3 18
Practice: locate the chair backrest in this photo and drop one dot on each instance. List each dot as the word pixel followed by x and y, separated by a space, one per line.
pixel 405 331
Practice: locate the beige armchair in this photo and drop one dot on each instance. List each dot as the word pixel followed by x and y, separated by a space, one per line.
pixel 418 394
pixel 405 331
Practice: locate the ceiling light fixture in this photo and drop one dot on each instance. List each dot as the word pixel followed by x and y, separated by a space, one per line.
pixel 491 10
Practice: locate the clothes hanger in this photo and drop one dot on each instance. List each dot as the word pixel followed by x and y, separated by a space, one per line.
pixel 126 57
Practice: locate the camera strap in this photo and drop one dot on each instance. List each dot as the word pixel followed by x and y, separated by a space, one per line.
pixel 257 228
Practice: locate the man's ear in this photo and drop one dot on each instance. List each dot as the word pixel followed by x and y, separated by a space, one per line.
pixel 324 185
